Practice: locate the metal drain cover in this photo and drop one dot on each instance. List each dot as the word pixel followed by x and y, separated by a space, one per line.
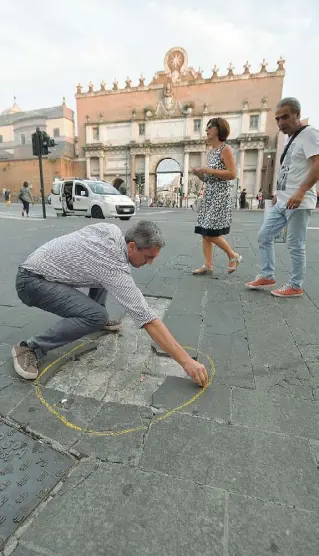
pixel 28 471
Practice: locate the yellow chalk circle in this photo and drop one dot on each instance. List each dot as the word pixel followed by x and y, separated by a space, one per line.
pixel 158 419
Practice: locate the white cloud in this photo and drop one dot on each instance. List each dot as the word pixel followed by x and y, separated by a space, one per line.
pixel 45 52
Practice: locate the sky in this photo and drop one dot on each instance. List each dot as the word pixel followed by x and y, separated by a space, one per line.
pixel 47 48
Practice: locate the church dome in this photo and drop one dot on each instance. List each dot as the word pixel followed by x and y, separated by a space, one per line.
pixel 14 109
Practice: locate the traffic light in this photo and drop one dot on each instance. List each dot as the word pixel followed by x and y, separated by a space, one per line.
pixel 41 142
pixel 35 144
pixel 46 142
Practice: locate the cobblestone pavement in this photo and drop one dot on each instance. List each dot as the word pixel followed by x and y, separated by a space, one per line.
pixel 233 473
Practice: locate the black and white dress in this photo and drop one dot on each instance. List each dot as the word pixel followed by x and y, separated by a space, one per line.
pixel 215 215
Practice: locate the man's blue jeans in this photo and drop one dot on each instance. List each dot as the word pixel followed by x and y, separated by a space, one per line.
pixel 275 220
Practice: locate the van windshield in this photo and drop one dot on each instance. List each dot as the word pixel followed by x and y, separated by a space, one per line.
pixel 102 188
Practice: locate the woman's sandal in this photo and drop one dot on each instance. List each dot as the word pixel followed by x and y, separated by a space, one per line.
pixel 202 271
pixel 236 260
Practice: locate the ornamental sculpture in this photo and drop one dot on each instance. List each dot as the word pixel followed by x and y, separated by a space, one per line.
pixel 169 105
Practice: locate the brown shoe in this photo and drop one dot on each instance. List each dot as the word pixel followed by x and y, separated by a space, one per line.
pixel 113 325
pixel 25 362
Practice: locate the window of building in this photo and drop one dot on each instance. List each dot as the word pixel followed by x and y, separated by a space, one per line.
pixel 96 133
pixel 1 139
pixel 197 125
pixel 22 138
pixel 254 122
pixel 141 129
pixel 56 132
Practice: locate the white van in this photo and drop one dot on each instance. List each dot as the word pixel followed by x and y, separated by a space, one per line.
pixel 93 199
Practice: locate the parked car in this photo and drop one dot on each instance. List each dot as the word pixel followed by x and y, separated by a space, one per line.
pixel 89 198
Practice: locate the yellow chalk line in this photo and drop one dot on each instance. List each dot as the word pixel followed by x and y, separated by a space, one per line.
pixel 169 413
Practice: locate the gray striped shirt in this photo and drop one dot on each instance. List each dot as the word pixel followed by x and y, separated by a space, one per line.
pixel 95 256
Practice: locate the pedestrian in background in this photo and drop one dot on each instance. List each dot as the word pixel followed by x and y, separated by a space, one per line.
pixel 7 198
pixel 260 199
pixel 25 196
pixel 242 199
pixel 137 201
pixel 296 197
pixel 215 215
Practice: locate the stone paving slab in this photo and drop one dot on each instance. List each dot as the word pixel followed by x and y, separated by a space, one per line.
pixel 257 528
pixel 185 304
pixel 193 283
pixel 224 318
pixel 274 348
pixel 114 417
pixel 231 357
pixel 161 287
pixel 292 382
pixel 175 391
pixel 272 413
pixel 5 353
pixel 124 512
pixel 22 550
pixel 33 415
pixel 185 330
pixel 310 354
pixel 12 392
pixel 245 461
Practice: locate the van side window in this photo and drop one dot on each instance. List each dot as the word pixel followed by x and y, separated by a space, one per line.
pixel 80 190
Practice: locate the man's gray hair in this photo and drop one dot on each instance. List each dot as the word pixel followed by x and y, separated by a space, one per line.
pixel 292 102
pixel 145 234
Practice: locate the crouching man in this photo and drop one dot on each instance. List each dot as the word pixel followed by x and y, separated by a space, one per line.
pixel 97 257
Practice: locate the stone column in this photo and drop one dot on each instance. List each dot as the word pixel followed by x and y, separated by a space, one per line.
pixel 241 168
pixel 260 160
pixel 101 167
pixel 185 174
pixel 152 185
pixel 132 168
pixel 147 175
pixel 88 167
pixel 203 159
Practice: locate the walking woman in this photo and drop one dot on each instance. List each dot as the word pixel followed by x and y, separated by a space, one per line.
pixel 25 196
pixel 214 217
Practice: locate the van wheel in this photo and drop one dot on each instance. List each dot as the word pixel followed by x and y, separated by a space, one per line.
pixel 125 217
pixel 96 212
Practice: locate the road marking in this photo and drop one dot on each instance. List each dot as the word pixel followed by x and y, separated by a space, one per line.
pixel 39 389
pixel 19 217
pixel 155 212
pixel 312 228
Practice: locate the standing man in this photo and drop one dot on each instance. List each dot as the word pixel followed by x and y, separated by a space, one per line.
pixel 97 257
pixel 296 197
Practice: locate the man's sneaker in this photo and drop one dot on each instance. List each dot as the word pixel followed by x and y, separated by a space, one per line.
pixel 261 282
pixel 25 362
pixel 113 325
pixel 287 291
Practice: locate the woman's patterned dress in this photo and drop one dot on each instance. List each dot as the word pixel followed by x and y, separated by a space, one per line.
pixel 215 215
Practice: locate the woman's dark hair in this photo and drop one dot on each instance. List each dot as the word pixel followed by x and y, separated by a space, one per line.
pixel 222 127
pixel 25 184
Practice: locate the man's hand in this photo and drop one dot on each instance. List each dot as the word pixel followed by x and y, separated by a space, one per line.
pixel 295 200
pixel 274 200
pixel 197 372
pixel 163 338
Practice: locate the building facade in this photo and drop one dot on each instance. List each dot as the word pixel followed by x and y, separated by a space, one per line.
pixel 17 163
pixel 129 131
